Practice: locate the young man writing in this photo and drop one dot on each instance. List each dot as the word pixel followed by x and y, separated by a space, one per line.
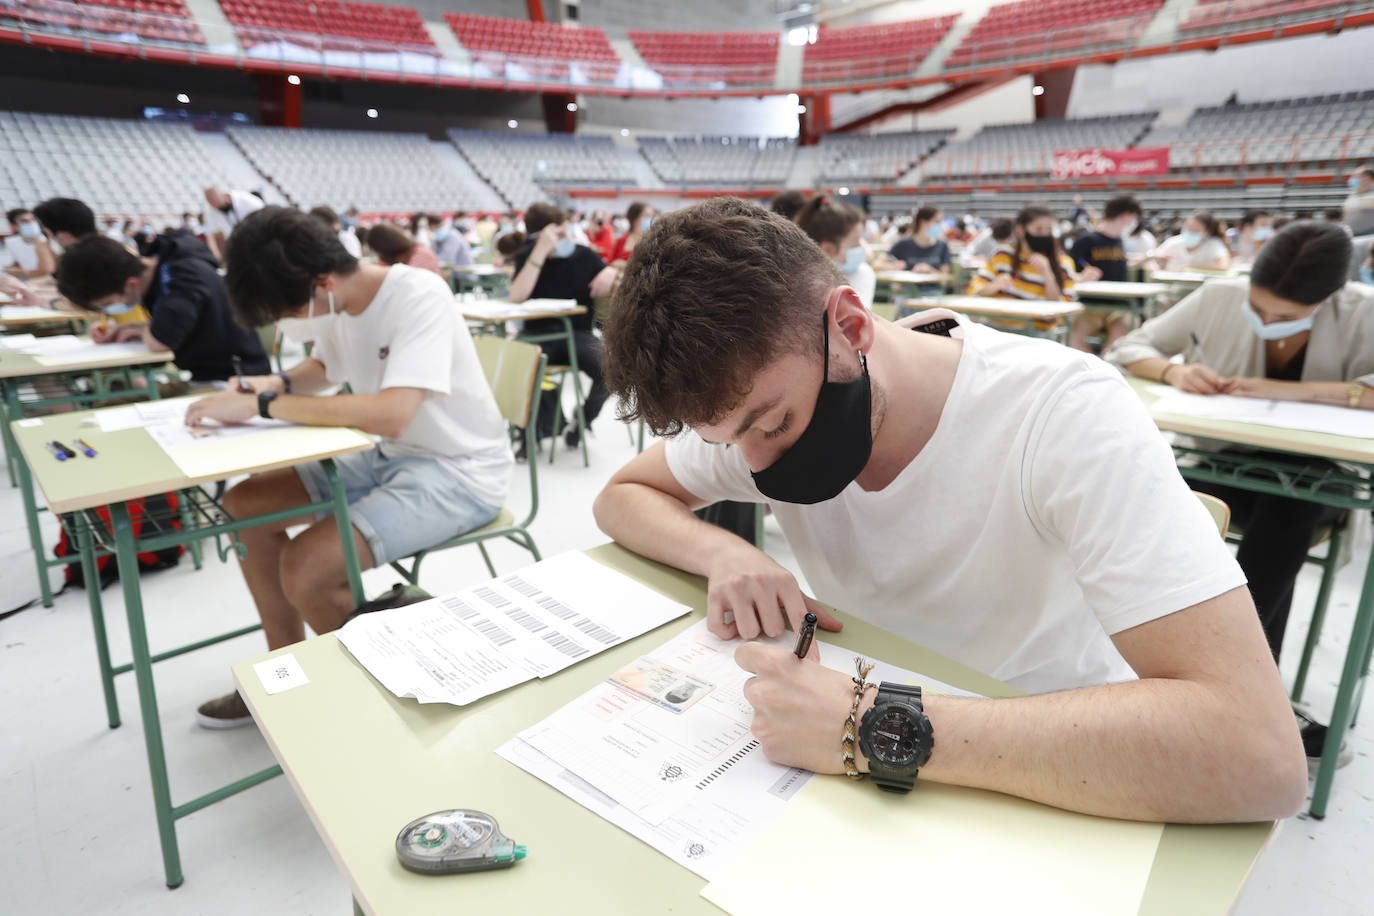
pixel 443 465
pixel 959 487
pixel 179 285
pixel 1104 250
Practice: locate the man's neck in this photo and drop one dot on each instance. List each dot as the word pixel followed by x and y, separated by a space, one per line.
pixel 145 279
pixel 1109 231
pixel 914 372
pixel 360 288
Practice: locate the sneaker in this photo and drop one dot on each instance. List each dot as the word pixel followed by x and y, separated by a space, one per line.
pixel 572 438
pixel 1314 739
pixel 228 711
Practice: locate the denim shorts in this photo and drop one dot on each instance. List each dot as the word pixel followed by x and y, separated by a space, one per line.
pixel 401 505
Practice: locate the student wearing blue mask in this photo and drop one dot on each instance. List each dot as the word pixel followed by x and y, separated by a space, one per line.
pixel 1254 229
pixel 838 228
pixel 640 216
pixel 30 254
pixel 1359 206
pixel 959 487
pixel 925 251
pixel 1199 246
pixel 550 265
pixel 1295 330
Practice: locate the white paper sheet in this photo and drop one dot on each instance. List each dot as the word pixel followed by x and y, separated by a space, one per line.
pixel 1320 418
pixel 532 623
pixel 19 312
pixel 502 310
pixel 715 807
pixel 16 341
pixel 64 349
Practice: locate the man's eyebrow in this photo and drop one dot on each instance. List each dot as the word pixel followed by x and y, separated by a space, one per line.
pixel 752 417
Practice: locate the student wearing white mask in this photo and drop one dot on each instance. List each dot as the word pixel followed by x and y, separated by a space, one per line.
pixel 1295 330
pixel 550 265
pixel 1253 230
pixel 1199 245
pixel 442 465
pixel 838 228
pixel 28 248
pixel 640 216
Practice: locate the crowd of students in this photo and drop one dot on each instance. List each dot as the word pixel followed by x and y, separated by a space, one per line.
pixel 883 453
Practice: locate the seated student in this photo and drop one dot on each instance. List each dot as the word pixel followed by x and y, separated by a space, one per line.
pixel 549 265
pixel 958 487
pixel 394 245
pixel 788 204
pixel 1031 265
pixel 30 254
pixel 924 251
pixel 1366 271
pixel 180 286
pixel 443 465
pixel 1358 209
pixel 1254 228
pixel 838 228
pixel 1103 252
pixel 1199 245
pixel 641 217
pixel 1295 329
pixel 450 245
pixel 602 236
pixel 66 219
pixel 330 218
pixel 1139 244
pixel 986 243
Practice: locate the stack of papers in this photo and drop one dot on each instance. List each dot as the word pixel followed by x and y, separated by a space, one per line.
pixel 461 647
pixel 68 348
pixel 19 312
pixel 503 310
pixel 663 749
pixel 196 450
pixel 1318 418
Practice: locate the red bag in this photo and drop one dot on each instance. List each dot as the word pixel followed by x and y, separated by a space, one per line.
pixel 153 513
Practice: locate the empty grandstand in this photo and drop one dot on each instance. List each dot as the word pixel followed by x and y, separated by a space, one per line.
pixel 339 24
pixel 524 167
pixel 375 172
pixel 544 49
pixel 729 162
pixel 877 159
pixel 119 167
pixel 1033 28
pixel 1028 149
pixel 709 58
pixel 866 51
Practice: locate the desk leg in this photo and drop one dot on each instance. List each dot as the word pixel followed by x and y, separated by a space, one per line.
pixel 1352 679
pixel 127 559
pixel 11 450
pixel 577 391
pixel 91 574
pixel 31 516
pixel 350 549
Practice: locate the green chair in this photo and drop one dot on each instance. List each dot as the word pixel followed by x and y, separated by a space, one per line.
pixel 1217 508
pixel 515 372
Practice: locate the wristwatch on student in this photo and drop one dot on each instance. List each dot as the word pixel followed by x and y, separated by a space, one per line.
pixel 265 399
pixel 285 380
pixel 896 737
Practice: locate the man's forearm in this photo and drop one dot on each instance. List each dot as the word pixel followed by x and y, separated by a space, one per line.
pixel 371 413
pixel 658 526
pixel 1154 750
pixel 308 377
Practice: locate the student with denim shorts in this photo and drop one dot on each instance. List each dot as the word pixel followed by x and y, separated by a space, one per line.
pixel 442 466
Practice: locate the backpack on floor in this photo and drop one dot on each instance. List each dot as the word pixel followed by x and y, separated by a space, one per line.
pixel 148 516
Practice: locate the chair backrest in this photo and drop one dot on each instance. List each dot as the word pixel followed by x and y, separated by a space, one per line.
pixel 512 368
pixel 271 344
pixel 1220 512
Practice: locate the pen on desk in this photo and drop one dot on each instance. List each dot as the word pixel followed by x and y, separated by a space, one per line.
pixel 244 387
pixel 58 450
pixel 1197 349
pixel 84 446
pixel 805 635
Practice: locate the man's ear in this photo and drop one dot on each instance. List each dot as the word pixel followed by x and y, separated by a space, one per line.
pixel 853 318
pixel 325 282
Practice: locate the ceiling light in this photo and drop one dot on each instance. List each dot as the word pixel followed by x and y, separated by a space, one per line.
pixel 183 98
pixel 294 80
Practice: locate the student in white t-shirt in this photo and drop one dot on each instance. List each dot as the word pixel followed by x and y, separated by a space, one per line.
pixel 227 209
pixel 442 466
pixel 1200 245
pixel 962 488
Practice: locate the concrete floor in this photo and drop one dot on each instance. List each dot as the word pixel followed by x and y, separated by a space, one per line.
pixel 77 834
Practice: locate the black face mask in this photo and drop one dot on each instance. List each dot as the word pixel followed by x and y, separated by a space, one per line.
pixel 833 448
pixel 1041 244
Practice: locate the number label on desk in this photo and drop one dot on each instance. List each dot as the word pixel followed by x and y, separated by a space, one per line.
pixel 281 674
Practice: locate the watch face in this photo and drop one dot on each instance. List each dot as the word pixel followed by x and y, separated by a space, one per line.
pixel 894 738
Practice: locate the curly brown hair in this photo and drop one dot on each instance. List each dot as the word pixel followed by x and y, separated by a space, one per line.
pixel 712 295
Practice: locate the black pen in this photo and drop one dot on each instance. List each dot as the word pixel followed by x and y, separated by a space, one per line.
pixel 244 387
pixel 805 635
pixel 1197 349
pixel 57 450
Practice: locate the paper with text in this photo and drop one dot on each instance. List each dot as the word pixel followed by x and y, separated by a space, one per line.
pixel 534 622
pixel 636 743
pixel 1317 418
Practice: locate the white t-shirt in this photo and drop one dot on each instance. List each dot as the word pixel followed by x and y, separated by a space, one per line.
pixel 1044 515
pixel 22 252
pixel 865 283
pixel 241 203
pixel 351 243
pixel 1174 255
pixel 412 336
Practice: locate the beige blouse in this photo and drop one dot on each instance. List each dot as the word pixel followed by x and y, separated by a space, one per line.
pixel 1339 349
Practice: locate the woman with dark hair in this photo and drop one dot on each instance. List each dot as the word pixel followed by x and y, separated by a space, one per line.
pixel 924 251
pixel 1295 330
pixel 393 245
pixel 838 228
pixel 640 216
pixel 1201 244
pixel 550 265
pixel 1031 265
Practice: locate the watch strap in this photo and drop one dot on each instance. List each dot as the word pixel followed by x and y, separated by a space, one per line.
pixel 285 380
pixel 265 399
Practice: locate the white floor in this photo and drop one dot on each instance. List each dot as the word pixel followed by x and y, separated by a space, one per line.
pixel 76 827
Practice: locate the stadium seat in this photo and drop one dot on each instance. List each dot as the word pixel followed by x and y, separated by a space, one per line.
pixel 709 58
pixel 868 51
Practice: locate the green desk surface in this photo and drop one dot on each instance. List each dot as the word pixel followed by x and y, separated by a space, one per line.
pixel 1296 441
pixel 23 365
pixel 365 763
pixel 130 464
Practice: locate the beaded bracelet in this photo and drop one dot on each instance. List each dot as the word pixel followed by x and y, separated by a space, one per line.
pixel 863 666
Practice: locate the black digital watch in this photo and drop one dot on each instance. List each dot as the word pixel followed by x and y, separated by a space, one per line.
pixel 896 736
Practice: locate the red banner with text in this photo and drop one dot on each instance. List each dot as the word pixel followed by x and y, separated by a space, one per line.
pixel 1095 163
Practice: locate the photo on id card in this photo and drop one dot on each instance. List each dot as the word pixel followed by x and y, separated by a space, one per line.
pixel 673 689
